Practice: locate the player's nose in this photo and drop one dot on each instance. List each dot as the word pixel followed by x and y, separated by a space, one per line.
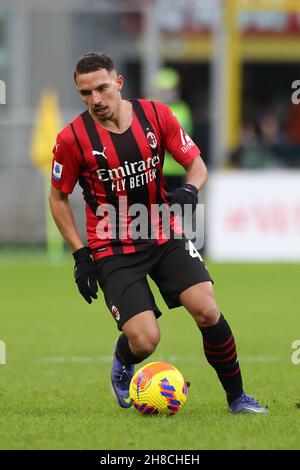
pixel 96 97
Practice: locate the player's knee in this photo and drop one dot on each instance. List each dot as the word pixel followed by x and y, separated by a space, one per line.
pixel 207 314
pixel 146 343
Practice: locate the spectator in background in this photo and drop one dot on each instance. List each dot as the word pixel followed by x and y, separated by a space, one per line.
pixel 246 151
pixel 167 90
pixel 262 145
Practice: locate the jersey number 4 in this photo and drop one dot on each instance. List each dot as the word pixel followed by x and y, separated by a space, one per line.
pixel 193 251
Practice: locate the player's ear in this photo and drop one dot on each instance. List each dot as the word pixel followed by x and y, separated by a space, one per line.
pixel 120 82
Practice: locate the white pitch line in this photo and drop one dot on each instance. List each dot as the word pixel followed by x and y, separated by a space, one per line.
pixel 195 358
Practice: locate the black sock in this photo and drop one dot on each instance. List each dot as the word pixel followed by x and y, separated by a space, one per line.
pixel 220 351
pixel 124 352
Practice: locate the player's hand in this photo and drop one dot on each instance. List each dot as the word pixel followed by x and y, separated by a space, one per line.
pixel 85 274
pixel 188 194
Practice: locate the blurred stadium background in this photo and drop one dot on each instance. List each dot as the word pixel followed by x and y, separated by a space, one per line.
pixel 236 63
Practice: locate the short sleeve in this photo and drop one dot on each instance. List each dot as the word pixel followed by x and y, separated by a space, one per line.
pixel 65 166
pixel 177 141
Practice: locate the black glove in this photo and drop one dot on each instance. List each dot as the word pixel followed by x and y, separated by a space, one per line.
pixel 188 194
pixel 85 274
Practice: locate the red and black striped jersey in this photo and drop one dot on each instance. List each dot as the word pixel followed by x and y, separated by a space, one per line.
pixel 120 172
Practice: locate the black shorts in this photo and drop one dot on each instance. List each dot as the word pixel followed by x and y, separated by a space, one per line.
pixel 174 267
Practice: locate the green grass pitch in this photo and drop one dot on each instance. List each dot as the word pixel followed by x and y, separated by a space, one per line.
pixel 55 387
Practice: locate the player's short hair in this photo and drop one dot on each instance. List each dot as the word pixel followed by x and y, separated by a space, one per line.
pixel 93 61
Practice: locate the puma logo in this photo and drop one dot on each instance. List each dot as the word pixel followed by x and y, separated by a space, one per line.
pixel 95 152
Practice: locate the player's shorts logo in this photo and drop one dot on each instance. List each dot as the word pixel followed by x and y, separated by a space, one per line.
pixel 152 141
pixel 115 312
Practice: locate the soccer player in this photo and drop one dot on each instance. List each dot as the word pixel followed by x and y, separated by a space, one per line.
pixel 115 150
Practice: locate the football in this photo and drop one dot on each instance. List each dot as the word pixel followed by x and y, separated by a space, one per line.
pixel 158 388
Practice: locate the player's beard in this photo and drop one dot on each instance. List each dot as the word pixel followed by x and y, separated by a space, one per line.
pixel 104 117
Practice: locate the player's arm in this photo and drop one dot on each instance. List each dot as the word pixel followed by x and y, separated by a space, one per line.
pixel 196 173
pixel 65 173
pixel 187 154
pixel 64 218
pixel 187 195
pixel 85 271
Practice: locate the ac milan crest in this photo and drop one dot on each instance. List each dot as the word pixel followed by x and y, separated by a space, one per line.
pixel 152 140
